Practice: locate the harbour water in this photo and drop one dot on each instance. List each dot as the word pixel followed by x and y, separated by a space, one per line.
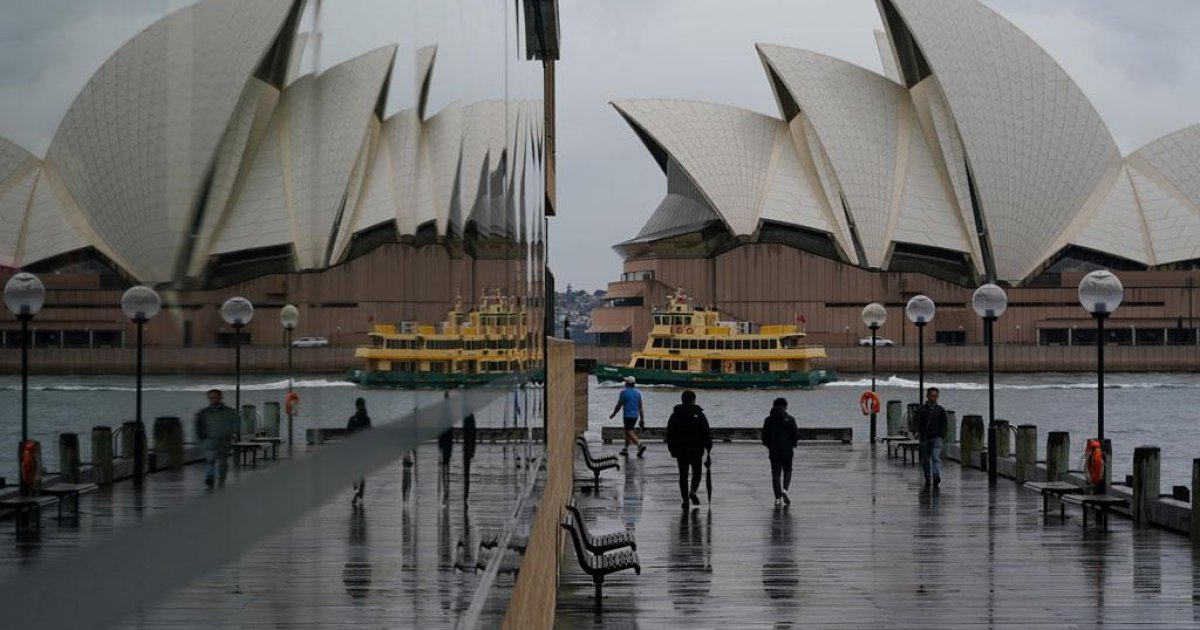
pixel 1154 408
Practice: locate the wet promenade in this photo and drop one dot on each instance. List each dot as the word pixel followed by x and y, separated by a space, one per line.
pixel 864 546
pixel 405 559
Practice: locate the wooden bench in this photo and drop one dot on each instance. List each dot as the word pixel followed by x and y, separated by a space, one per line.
pixel 599 565
pixel 909 448
pixel 600 543
pixel 516 542
pixel 890 440
pixel 1101 503
pixel 1056 489
pixel 596 464
pixel 25 508
pixel 274 443
pixel 241 449
pixel 64 491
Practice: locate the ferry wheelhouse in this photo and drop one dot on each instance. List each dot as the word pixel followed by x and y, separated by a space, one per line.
pixel 468 348
pixel 693 347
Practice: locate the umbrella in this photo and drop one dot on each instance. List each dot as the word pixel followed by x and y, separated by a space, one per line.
pixel 708 476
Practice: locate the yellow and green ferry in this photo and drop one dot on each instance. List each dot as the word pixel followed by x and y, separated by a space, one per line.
pixel 471 347
pixel 692 347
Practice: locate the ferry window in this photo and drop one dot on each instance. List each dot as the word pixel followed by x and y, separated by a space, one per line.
pixel 691 344
pixel 754 345
pixel 774 344
pixel 640 363
pixel 739 344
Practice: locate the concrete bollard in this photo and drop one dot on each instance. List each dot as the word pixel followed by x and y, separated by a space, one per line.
pixel 972 439
pixel 951 429
pixel 168 442
pixel 102 456
pixel 1146 486
pixel 68 457
pixel 1026 452
pixel 895 417
pixel 1058 455
pixel 249 419
pixel 1003 439
pixel 1195 500
pixel 128 434
pixel 271 419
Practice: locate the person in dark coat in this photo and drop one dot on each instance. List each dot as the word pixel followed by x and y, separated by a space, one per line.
pixel 446 443
pixel 688 439
pixel 358 422
pixel 931 428
pixel 469 437
pixel 779 435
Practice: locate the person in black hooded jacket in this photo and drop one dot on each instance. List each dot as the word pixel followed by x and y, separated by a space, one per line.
pixel 688 439
pixel 779 435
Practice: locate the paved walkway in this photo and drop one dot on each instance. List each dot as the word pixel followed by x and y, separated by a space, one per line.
pixel 864 546
pixel 406 559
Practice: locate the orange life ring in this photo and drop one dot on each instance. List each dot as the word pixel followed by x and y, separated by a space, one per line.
pixel 729 367
pixel 868 403
pixel 1093 461
pixel 29 464
pixel 678 330
pixel 291 404
pixel 690 330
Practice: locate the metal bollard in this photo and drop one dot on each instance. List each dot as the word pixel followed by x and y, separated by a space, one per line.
pixel 895 417
pixel 102 456
pixel 972 439
pixel 1146 486
pixel 1058 455
pixel 249 418
pixel 68 457
pixel 168 442
pixel 1026 452
pixel 271 419
pixel 1003 439
pixel 128 435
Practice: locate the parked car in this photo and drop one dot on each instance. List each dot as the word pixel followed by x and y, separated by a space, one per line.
pixel 310 342
pixel 880 342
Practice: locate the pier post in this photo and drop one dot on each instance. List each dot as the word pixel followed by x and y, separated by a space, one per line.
pixel 128 437
pixel 1195 524
pixel 1146 462
pixel 1026 452
pixel 102 456
pixel 1003 439
pixel 1058 455
pixel 248 420
pixel 951 428
pixel 271 418
pixel 972 438
pixel 895 417
pixel 168 442
pixel 583 375
pixel 68 457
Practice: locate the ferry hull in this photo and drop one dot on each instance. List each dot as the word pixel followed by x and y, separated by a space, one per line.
pixel 418 380
pixel 760 380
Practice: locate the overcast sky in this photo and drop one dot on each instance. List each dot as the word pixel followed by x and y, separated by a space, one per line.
pixel 1139 63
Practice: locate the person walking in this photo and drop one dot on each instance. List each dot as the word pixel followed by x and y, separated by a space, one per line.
pixel 358 422
pixel 633 413
pixel 216 426
pixel 931 428
pixel 779 435
pixel 688 439
pixel 469 437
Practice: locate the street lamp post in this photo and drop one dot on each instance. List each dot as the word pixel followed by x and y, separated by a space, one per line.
pixel 873 316
pixel 920 311
pixel 1100 293
pixel 139 304
pixel 990 302
pixel 289 316
pixel 24 296
pixel 237 312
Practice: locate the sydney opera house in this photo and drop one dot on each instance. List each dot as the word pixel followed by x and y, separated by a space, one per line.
pixel 205 159
pixel 973 157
